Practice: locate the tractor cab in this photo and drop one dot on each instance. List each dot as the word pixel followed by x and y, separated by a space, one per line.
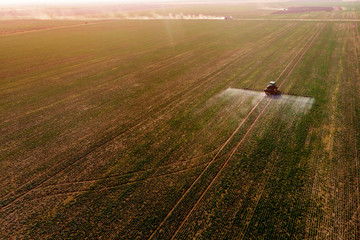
pixel 271 89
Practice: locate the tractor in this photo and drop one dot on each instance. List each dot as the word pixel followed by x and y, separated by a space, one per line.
pixel 272 89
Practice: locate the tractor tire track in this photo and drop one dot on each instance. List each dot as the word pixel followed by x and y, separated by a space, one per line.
pixel 110 186
pixel 207 167
pixel 138 121
pixel 167 167
pixel 353 120
pixel 197 179
pixel 262 191
pixel 278 149
pixel 318 172
pixel 129 173
pixel 261 194
pixel 221 169
pixel 101 142
pixel 301 53
pixel 233 151
pixel 133 125
pixel 351 220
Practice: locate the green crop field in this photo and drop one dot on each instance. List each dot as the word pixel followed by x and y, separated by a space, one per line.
pixel 142 129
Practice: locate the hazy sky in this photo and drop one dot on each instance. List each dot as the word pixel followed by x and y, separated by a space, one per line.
pixel 82 2
pixel 61 2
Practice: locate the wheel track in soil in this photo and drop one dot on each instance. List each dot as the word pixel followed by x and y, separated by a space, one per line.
pixel 221 169
pixel 266 178
pixel 220 146
pixel 116 185
pixel 338 195
pixel 262 189
pixel 129 128
pixel 343 208
pixel 130 173
pixel 229 158
pixel 355 136
pixel 114 176
pixel 173 102
pixel 208 165
pixel 322 175
pixel 335 223
pixel 235 149
pixel 340 205
pixel 311 41
pixel 229 232
pixel 147 113
pixel 353 106
pixel 302 52
pixel 136 172
pixel 195 181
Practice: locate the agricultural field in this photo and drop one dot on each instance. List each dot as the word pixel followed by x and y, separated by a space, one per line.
pixel 159 129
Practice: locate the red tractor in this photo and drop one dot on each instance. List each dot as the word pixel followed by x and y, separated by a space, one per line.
pixel 271 89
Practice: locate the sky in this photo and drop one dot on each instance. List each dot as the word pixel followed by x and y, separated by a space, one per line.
pixel 62 2
pixel 83 2
pixel 75 2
